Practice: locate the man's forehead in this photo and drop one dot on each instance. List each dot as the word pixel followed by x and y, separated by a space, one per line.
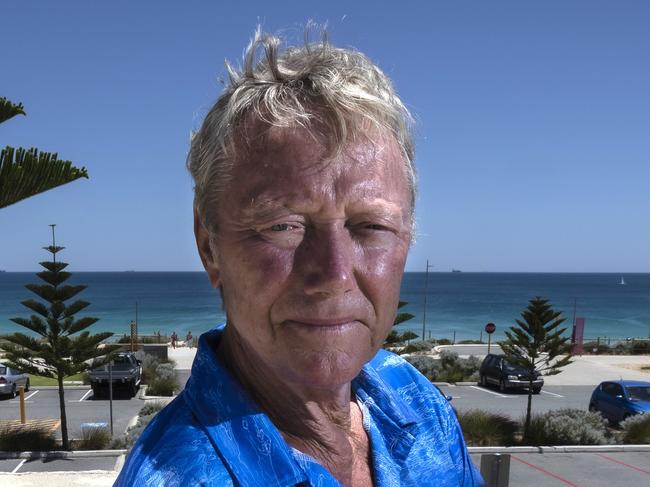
pixel 299 149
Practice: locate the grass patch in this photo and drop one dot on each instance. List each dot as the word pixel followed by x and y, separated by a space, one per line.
pixel 482 428
pixel 38 381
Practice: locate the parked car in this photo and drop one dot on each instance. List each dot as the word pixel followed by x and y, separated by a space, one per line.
pixel 620 399
pixel 126 373
pixel 11 380
pixel 496 370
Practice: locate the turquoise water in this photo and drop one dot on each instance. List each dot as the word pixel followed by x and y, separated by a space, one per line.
pixel 456 302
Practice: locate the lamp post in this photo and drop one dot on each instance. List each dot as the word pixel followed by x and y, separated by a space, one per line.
pixel 424 313
pixel 110 393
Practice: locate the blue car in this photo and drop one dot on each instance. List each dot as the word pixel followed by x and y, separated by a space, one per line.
pixel 617 400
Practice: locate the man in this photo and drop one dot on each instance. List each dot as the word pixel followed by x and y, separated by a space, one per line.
pixel 304 193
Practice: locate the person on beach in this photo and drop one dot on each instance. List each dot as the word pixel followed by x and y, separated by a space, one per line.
pixel 173 338
pixel 188 339
pixel 303 216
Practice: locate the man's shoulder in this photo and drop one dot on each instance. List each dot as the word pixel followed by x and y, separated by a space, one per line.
pixel 173 450
pixel 397 371
pixel 410 386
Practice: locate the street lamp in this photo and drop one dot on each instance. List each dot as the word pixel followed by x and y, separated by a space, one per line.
pixel 424 314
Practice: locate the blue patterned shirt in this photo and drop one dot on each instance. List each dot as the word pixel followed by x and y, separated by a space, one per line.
pixel 213 434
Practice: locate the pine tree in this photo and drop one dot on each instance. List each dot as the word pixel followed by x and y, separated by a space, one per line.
pixel 537 345
pixel 26 172
pixel 55 352
pixel 394 336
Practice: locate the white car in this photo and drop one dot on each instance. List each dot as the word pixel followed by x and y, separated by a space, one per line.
pixel 11 380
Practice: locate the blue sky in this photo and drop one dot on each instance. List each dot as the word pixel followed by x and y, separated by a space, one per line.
pixel 533 136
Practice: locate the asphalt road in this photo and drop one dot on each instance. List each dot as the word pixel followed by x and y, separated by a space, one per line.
pixel 597 469
pixel 81 407
pixel 513 404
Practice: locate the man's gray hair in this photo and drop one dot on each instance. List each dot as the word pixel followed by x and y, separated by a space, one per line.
pixel 336 94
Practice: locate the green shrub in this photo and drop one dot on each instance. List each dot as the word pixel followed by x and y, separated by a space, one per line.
pixel 96 438
pixel 149 365
pixel 421 346
pixel 162 387
pixel 568 427
pixel 455 369
pixel 147 413
pixel 470 342
pixel 640 347
pixel 427 365
pixel 151 408
pixel 482 428
pixel 26 438
pixel 636 430
pixel 597 348
pixel 443 341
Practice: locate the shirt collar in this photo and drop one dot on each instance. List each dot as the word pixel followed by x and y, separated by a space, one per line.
pixel 243 435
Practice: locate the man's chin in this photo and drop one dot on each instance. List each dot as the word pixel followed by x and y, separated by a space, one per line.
pixel 325 368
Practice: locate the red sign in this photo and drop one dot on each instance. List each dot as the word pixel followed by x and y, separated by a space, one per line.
pixel 490 328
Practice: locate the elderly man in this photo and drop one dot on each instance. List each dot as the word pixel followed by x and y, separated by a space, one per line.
pixel 304 194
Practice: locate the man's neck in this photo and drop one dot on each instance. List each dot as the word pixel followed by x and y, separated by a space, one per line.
pixel 325 424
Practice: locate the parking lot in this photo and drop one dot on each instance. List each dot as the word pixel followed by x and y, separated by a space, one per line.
pixel 583 469
pixel 513 404
pixel 81 407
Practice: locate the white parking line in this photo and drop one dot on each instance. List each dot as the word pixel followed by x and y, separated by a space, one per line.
pixel 32 395
pixel 19 465
pixel 489 392
pixel 552 394
pixel 17 398
pixel 85 395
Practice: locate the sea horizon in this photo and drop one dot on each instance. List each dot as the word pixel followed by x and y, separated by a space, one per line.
pixel 459 304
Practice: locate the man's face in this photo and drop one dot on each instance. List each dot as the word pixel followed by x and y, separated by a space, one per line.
pixel 310 254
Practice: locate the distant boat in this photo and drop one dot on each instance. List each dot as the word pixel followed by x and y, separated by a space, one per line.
pixel 455 270
pixel 622 283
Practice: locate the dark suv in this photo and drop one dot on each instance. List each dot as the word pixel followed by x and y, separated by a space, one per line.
pixel 496 370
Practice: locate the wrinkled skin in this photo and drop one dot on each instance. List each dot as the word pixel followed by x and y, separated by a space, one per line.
pixel 309 255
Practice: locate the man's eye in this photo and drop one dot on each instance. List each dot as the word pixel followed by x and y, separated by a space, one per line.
pixel 280 227
pixel 375 226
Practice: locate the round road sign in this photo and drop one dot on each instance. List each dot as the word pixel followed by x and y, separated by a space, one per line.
pixel 490 328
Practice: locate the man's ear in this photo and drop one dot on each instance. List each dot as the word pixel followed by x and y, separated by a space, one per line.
pixel 205 252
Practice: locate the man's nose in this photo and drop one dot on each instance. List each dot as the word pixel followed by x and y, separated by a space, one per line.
pixel 328 262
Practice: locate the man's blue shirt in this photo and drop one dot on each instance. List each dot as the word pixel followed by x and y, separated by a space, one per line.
pixel 213 434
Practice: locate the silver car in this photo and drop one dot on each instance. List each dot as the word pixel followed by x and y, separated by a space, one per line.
pixel 11 380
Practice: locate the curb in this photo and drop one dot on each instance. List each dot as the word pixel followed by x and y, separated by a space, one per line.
pixel 144 397
pixel 559 449
pixel 65 387
pixel 49 455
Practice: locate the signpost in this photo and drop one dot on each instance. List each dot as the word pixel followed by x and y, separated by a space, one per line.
pixel 489 329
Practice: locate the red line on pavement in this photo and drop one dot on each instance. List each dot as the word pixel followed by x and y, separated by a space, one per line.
pixel 546 472
pixel 623 463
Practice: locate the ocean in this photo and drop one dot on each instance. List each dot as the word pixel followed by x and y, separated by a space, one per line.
pixel 458 304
